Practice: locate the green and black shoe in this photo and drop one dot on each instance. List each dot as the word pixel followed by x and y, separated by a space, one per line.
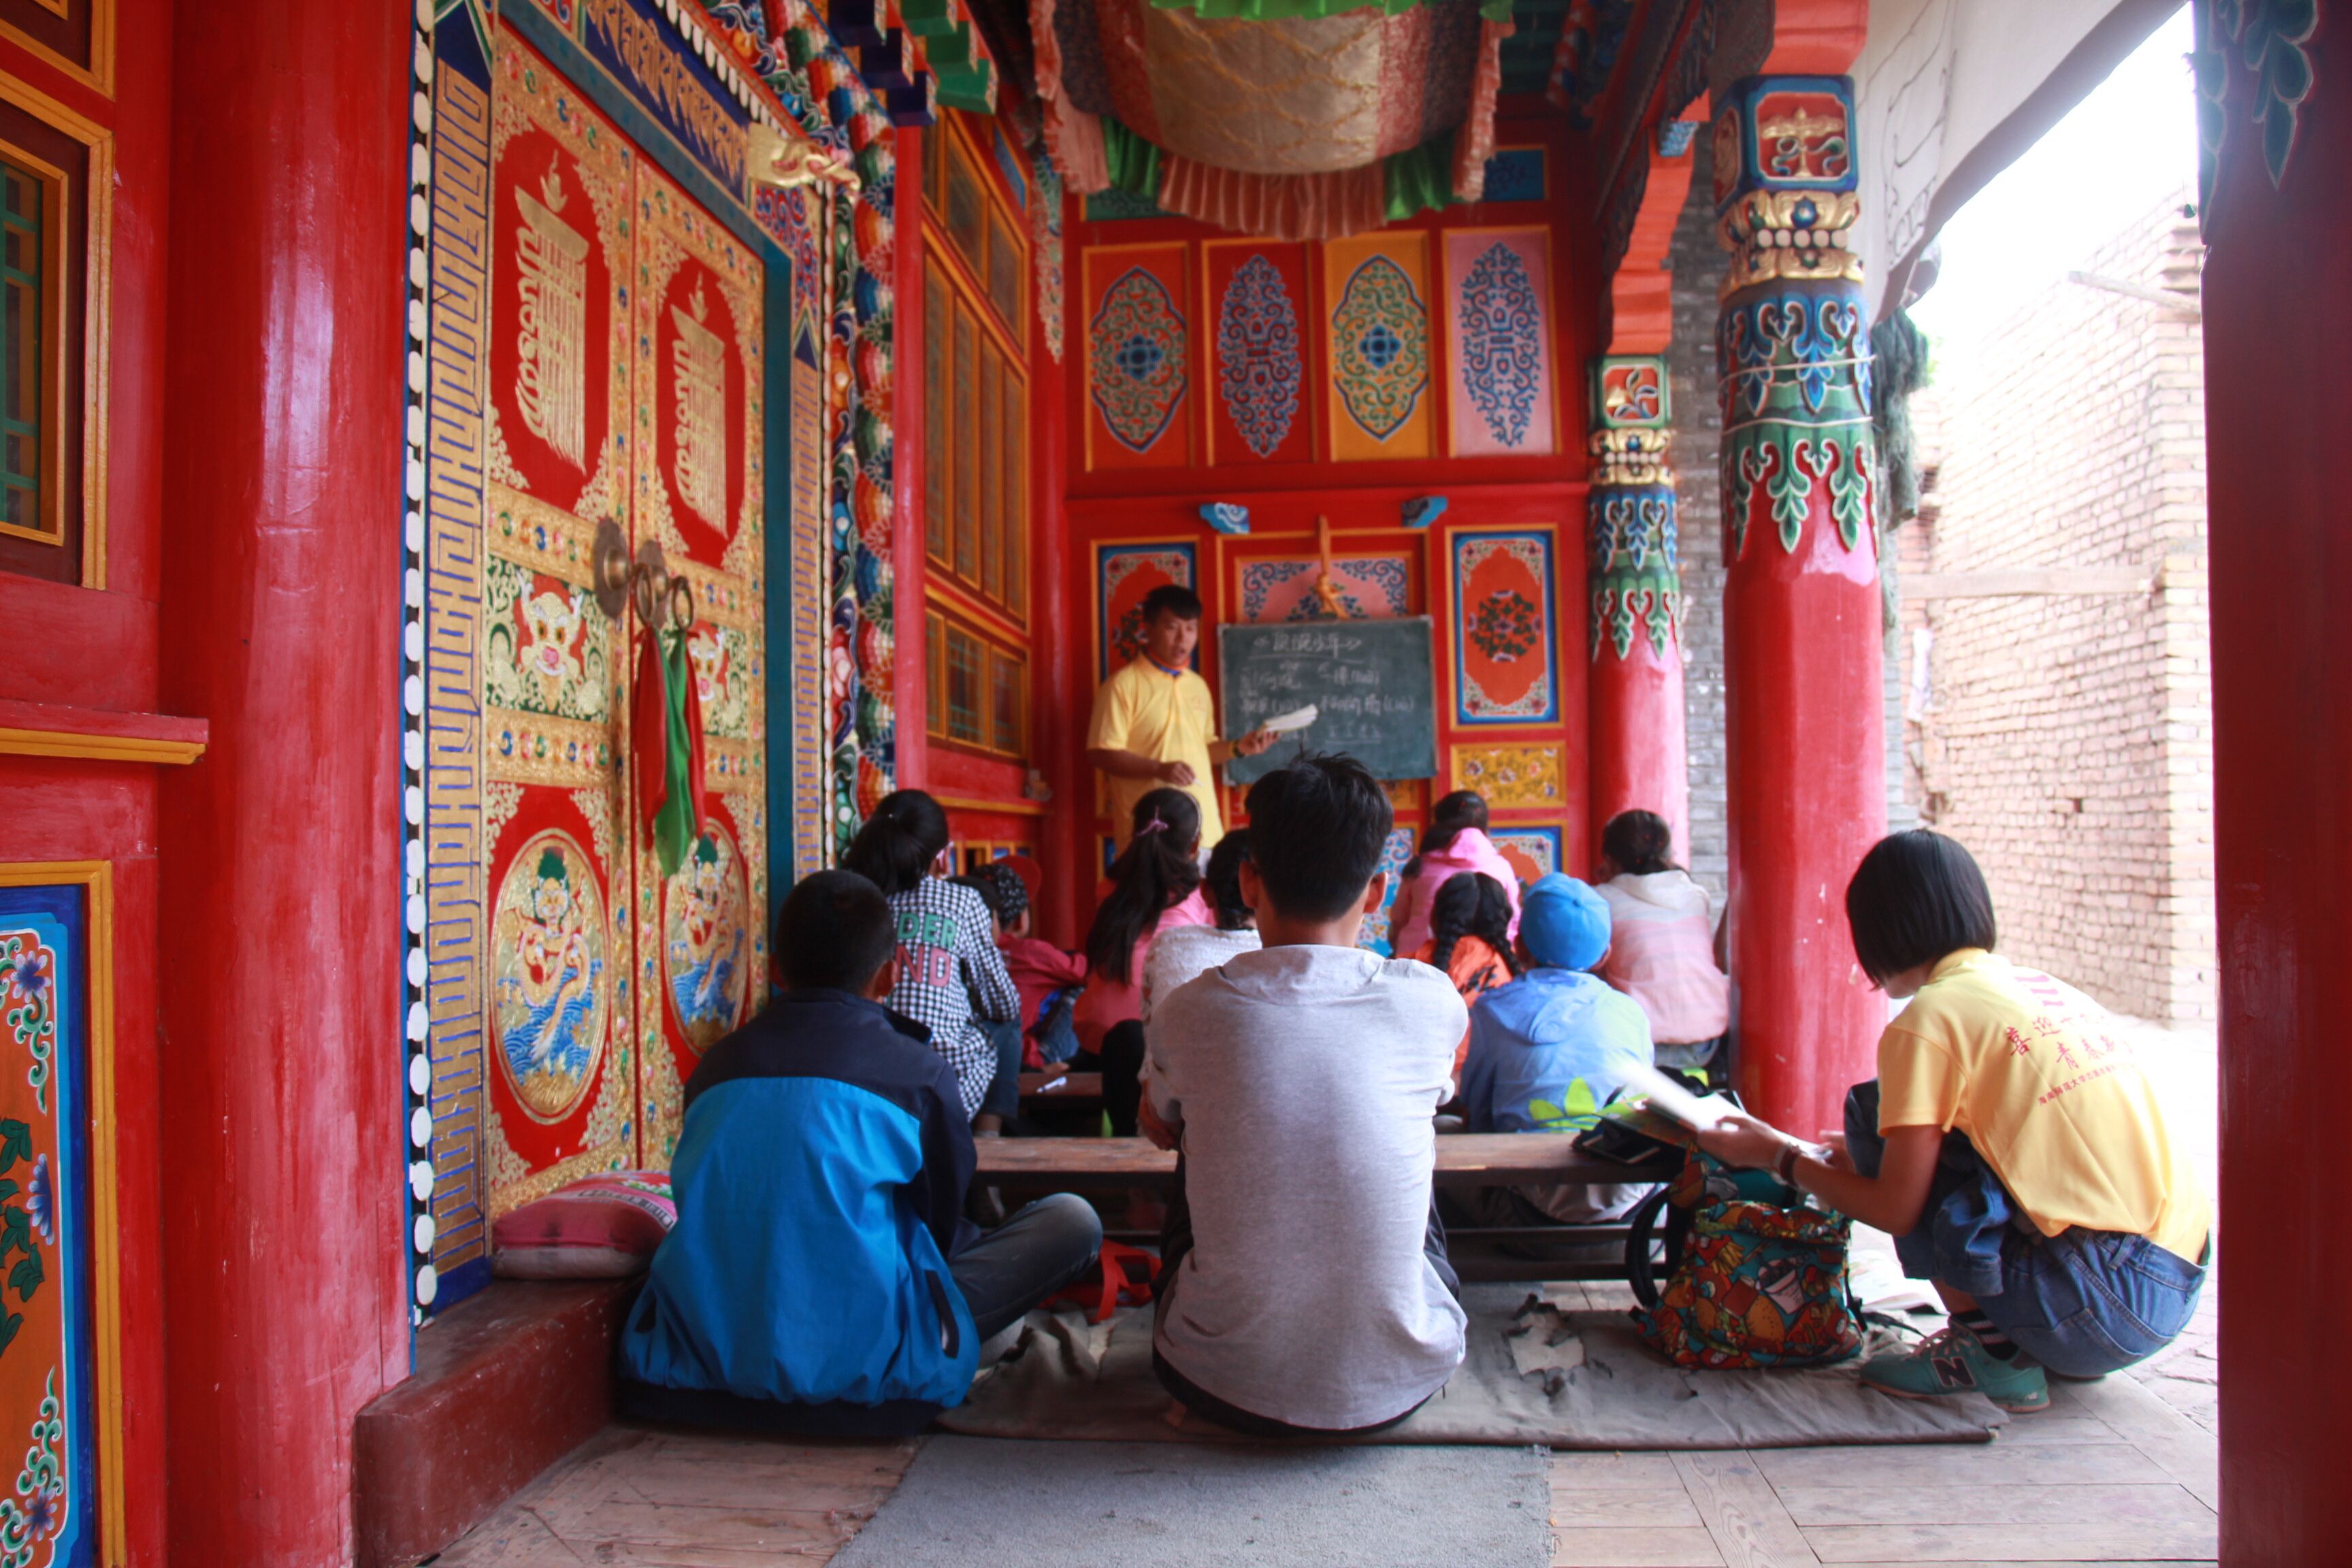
pixel 1954 1360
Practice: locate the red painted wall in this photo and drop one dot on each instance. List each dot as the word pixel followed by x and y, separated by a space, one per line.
pixel 911 450
pixel 87 648
pixel 283 1146
pixel 2278 336
pixel 1117 495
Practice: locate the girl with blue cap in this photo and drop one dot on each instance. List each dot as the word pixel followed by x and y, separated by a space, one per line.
pixel 1549 1051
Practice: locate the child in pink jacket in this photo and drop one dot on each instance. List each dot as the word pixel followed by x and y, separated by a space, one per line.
pixel 1661 944
pixel 1454 841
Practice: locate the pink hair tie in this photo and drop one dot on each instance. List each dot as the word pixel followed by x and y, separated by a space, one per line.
pixel 1154 825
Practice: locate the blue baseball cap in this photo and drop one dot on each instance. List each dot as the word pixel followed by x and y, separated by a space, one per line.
pixel 1564 923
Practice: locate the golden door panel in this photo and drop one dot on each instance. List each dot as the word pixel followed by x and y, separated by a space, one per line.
pixel 561 1089
pixel 702 954
pixel 560 260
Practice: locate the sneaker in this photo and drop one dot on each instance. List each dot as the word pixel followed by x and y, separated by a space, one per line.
pixel 1953 1362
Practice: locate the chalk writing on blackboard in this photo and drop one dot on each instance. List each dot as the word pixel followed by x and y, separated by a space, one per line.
pixel 1372 683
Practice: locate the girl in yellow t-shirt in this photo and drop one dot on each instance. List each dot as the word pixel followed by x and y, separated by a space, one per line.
pixel 2010 1142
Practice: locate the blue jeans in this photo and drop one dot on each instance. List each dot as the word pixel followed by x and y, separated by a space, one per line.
pixel 2082 1302
pixel 1004 1096
pixel 1057 1038
pixel 1028 1257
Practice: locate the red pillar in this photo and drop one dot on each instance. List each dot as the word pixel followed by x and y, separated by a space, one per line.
pixel 1635 698
pixel 285 1304
pixel 2278 333
pixel 910 455
pixel 1801 617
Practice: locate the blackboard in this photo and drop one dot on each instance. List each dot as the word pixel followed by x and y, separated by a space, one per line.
pixel 1373 681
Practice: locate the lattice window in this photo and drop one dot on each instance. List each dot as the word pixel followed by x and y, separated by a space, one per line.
pixel 25 198
pixel 976 452
pixel 967 700
pixel 980 689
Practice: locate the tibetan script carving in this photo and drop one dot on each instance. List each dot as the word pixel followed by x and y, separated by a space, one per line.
pixel 552 321
pixel 698 377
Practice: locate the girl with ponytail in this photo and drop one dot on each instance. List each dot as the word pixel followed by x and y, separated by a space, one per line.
pixel 952 974
pixel 1470 938
pixel 1155 886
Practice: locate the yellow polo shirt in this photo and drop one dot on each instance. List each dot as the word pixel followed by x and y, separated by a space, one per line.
pixel 2049 1092
pixel 1168 718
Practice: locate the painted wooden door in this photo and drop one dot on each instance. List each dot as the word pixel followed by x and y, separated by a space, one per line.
pixel 701 944
pixel 623 385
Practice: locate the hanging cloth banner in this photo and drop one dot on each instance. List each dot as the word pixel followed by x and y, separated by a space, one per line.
pixel 665 726
pixel 1948 94
pixel 1288 119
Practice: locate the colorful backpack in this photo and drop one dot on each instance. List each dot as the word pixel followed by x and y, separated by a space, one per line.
pixel 1756 1277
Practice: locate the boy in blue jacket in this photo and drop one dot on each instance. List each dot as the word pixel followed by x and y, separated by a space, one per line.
pixel 1548 1051
pixel 820 1277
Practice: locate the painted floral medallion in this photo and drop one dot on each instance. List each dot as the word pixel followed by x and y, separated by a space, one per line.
pixel 707 939
pixel 1258 368
pixel 1380 347
pixel 1502 343
pixel 551 991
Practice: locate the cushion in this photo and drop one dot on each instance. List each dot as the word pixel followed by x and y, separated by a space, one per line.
pixel 600 1227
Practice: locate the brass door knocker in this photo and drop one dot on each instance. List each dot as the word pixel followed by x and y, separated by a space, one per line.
pixel 647 581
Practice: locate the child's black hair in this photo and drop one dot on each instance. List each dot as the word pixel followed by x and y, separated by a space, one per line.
pixel 1173 598
pixel 1453 816
pixel 1000 886
pixel 1223 879
pixel 896 847
pixel 834 930
pixel 1917 898
pixel 1317 825
pixel 1471 903
pixel 1638 842
pixel 1155 874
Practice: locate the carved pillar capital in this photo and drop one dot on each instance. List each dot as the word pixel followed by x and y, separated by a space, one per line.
pixel 1635 568
pixel 1792 344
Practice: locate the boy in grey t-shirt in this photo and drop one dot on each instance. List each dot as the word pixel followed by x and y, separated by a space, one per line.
pixel 1303 1285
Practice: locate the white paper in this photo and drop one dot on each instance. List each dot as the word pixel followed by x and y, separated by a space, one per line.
pixel 1296 718
pixel 1668 1099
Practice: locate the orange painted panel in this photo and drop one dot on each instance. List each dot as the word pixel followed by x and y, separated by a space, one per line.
pixel 1380 361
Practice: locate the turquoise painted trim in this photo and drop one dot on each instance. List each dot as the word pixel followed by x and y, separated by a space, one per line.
pixel 777 615
pixel 616 102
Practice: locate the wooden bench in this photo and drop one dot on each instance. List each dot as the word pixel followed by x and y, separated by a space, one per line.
pixel 1463 1160
pixel 1049 1087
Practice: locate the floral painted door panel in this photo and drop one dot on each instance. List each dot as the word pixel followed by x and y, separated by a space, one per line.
pixel 701 950
pixel 624 382
pixel 47 1397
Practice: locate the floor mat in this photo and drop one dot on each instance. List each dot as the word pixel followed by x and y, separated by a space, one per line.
pixel 1564 1378
pixel 969 1502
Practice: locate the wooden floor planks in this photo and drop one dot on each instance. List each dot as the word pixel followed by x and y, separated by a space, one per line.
pixel 2110 1475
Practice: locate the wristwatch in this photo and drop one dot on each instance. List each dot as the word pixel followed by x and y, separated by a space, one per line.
pixel 1785 1167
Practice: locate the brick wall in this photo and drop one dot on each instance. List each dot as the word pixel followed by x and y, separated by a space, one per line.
pixel 1699 265
pixel 2066 737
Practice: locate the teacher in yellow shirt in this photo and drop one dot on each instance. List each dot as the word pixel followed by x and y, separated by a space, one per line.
pixel 1155 724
